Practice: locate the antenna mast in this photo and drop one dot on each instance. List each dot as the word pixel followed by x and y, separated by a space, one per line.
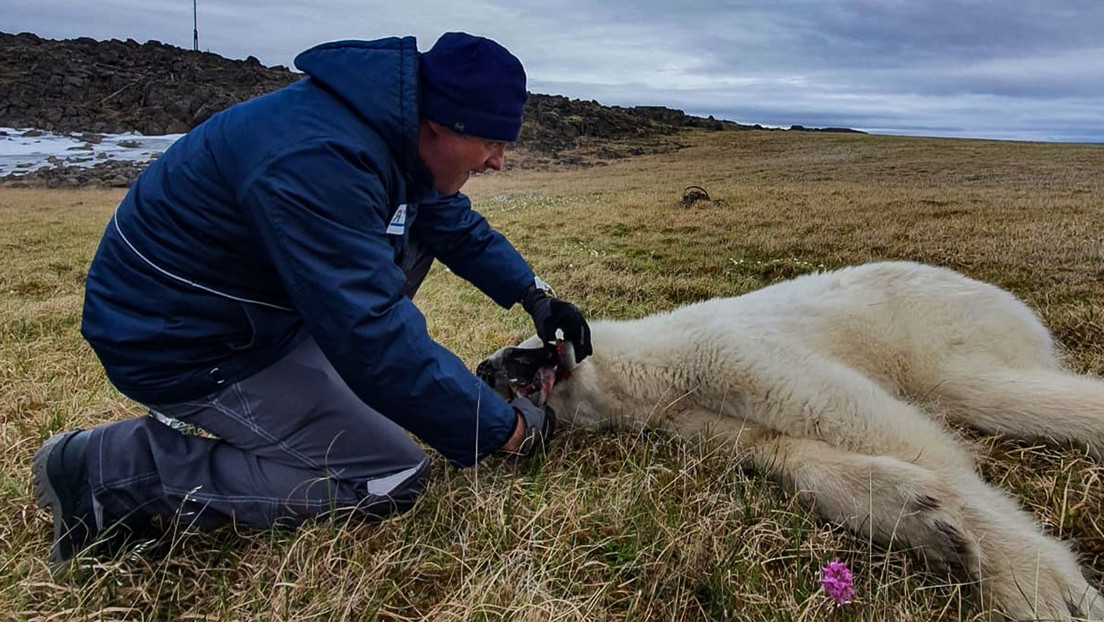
pixel 195 28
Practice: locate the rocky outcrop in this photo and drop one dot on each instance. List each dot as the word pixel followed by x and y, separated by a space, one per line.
pixel 554 123
pixel 105 174
pixel 84 85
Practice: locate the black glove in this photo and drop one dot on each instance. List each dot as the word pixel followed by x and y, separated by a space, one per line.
pixel 540 427
pixel 550 314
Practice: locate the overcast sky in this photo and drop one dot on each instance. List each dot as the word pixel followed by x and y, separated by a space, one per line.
pixel 1006 69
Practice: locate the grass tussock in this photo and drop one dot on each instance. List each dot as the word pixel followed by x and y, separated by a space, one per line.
pixel 608 526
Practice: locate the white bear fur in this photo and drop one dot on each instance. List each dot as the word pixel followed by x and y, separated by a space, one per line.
pixel 838 383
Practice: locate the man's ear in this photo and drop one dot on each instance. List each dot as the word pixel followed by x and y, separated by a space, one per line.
pixel 429 125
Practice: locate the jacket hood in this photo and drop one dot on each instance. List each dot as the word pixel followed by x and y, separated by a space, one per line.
pixel 379 81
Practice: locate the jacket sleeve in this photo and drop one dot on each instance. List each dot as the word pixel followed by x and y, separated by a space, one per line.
pixel 465 242
pixel 322 215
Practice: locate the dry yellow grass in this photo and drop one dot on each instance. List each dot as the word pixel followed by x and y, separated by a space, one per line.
pixel 609 527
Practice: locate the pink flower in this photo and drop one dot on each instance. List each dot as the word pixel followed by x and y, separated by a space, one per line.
pixel 837 582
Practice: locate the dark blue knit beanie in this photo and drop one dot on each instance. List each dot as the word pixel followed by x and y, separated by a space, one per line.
pixel 473 85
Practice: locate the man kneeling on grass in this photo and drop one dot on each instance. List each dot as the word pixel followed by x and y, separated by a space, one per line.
pixel 256 283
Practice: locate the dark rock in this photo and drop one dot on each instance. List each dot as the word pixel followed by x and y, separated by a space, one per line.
pixel 62 85
pixel 842 130
pixel 104 173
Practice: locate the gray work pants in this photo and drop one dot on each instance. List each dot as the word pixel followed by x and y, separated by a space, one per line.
pixel 293 443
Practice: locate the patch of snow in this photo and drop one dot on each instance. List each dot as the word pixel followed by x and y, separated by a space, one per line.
pixel 25 150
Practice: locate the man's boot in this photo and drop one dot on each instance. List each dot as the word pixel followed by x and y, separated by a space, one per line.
pixel 61 484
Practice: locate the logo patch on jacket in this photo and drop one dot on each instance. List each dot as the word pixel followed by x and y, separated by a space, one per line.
pixel 398 221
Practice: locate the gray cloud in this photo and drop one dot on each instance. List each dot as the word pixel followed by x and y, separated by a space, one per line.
pixel 1017 69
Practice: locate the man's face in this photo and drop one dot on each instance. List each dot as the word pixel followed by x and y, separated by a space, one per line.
pixel 452 157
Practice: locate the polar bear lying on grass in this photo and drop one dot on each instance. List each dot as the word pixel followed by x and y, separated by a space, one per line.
pixel 837 383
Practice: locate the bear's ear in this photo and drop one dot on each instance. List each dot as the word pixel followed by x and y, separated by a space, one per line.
pixel 523 366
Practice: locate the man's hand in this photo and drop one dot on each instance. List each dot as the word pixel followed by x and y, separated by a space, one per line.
pixel 551 314
pixel 536 425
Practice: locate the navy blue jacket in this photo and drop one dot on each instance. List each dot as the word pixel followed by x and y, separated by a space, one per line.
pixel 275 220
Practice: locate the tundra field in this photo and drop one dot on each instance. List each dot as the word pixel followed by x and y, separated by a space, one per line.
pixel 605 527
